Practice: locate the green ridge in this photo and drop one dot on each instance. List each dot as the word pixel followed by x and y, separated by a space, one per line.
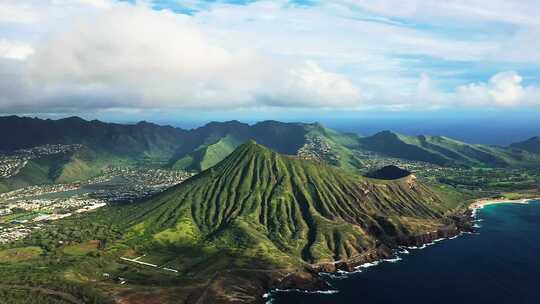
pixel 208 155
pixel 58 168
pixel 444 151
pixel 264 205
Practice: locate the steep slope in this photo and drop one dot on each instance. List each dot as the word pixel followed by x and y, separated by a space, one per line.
pixel 208 155
pixel 285 211
pixel 217 140
pixel 57 168
pixel 531 145
pixel 138 141
pixel 443 151
pixel 336 148
pixel 200 148
pixel 394 145
pixel 211 143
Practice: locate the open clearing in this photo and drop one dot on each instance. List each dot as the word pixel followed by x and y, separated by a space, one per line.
pixel 20 254
pixel 81 249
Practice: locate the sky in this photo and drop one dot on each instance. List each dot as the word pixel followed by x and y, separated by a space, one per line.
pixel 192 60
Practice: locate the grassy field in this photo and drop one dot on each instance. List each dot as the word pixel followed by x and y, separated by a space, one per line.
pixel 20 254
pixel 81 249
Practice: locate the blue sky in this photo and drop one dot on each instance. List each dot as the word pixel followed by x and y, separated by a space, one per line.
pixel 174 59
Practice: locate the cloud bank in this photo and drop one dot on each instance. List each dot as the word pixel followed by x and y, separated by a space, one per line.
pixel 98 55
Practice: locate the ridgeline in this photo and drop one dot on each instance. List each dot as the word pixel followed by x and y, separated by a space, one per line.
pixel 287 211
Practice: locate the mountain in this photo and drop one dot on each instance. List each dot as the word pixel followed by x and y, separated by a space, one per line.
pixel 207 155
pixel 212 142
pixel 287 211
pixel 258 211
pixel 141 140
pixel 336 148
pixel 445 151
pixel 198 149
pixel 149 144
pixel 65 167
pixel 255 221
pixel 394 145
pixel 102 144
pixel 531 145
pixel 311 140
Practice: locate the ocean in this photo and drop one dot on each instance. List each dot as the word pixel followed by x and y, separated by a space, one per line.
pixel 499 264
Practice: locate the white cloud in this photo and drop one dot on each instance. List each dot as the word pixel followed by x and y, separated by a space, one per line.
pixel 132 56
pixel 13 50
pixel 309 84
pixel 102 54
pixel 503 89
pixel 13 11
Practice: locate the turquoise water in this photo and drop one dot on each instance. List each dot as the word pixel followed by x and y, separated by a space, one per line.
pixel 500 264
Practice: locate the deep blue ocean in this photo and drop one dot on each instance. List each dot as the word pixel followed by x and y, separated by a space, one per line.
pixel 500 264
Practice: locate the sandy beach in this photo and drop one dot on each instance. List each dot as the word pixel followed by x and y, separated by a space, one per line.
pixel 479 204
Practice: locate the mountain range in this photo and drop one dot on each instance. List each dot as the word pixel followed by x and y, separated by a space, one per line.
pixel 272 204
pixel 198 149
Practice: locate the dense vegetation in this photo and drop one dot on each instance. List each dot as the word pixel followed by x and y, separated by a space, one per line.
pixel 198 149
pixel 254 210
pixel 444 151
pixel 57 168
pixel 268 205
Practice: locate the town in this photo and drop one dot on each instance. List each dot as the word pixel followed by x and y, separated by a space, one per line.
pixel 488 181
pixel 25 210
pixel 12 162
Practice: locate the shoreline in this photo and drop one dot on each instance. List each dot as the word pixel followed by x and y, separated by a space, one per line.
pixel 395 253
pixel 342 269
pixel 394 257
pixel 481 203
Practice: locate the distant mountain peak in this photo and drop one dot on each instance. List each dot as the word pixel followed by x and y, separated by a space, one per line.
pixel 74 118
pixel 530 145
pixel 386 134
pixel 225 123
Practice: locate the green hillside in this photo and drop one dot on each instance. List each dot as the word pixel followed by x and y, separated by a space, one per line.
pixel 445 151
pixel 57 168
pixel 256 220
pixel 266 206
pixel 219 140
pixel 208 155
pixel 211 143
pixel 147 144
pixel 142 141
pixel 335 148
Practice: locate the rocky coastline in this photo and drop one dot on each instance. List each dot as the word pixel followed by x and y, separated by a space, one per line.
pixel 310 279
